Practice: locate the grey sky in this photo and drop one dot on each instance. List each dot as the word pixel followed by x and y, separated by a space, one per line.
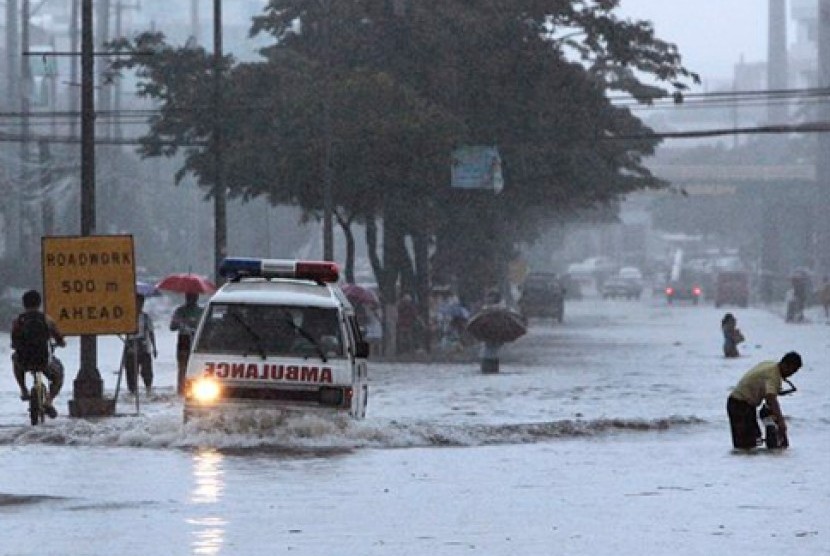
pixel 711 34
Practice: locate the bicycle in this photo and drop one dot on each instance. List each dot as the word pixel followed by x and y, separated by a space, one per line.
pixel 39 403
pixel 773 437
pixel 38 398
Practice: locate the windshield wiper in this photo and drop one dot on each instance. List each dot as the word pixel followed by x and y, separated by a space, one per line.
pixel 260 345
pixel 307 336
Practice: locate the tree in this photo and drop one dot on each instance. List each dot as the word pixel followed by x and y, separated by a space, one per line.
pixel 507 70
pixel 404 83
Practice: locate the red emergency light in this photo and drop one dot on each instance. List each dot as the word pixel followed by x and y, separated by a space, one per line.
pixel 235 268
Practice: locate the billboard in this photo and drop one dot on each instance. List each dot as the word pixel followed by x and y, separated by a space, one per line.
pixel 477 168
pixel 89 284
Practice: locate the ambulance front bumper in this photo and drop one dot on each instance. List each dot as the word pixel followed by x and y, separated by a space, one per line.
pixel 203 401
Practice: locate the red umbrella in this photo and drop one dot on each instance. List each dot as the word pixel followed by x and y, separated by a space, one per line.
pixel 184 282
pixel 359 294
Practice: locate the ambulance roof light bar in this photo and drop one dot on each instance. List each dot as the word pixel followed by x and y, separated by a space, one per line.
pixel 235 268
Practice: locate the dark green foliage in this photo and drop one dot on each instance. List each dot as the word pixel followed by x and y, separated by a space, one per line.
pixel 402 83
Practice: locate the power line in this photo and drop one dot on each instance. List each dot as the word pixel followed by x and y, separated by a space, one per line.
pixel 750 93
pixel 809 127
pixel 710 99
pixel 66 139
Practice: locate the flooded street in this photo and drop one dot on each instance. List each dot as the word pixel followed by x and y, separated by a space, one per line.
pixel 500 264
pixel 608 424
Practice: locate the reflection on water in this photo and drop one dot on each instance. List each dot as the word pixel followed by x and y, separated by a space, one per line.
pixel 208 529
pixel 208 472
pixel 208 535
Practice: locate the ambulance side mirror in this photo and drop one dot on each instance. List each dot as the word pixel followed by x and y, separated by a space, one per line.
pixel 361 350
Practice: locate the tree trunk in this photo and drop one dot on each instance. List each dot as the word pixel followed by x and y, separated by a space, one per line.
pixel 346 225
pixel 392 260
pixel 372 248
pixel 420 243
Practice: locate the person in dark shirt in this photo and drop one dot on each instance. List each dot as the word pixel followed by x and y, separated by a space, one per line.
pixel 185 320
pixel 31 333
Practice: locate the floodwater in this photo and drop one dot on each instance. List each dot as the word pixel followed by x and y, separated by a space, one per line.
pixel 605 434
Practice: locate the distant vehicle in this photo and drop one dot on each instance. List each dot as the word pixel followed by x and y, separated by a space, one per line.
pixel 631 273
pixel 543 295
pixel 683 290
pixel 732 288
pixel 591 266
pixel 621 288
pixel 573 289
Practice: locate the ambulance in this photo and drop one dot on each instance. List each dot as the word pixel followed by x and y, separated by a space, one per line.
pixel 280 334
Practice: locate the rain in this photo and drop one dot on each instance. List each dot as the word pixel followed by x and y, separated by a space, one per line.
pixel 439 278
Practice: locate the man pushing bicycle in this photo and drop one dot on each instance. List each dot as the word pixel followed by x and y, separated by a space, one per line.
pixel 32 332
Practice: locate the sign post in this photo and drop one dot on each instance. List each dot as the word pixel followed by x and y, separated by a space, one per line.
pixel 89 290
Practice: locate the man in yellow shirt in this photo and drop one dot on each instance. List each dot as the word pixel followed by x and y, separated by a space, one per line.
pixel 759 384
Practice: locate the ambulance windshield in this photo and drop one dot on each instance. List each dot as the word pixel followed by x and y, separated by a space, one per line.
pixel 271 330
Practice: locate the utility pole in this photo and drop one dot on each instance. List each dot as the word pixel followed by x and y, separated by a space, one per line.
pixel 194 21
pixel 12 210
pixel 47 210
pixel 25 91
pixel 219 194
pixel 116 121
pixel 88 388
pixel 777 80
pixel 12 51
pixel 328 176
pixel 102 32
pixel 73 65
pixel 822 244
pixel 116 104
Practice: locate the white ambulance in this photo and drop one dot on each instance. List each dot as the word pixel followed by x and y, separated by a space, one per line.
pixel 280 335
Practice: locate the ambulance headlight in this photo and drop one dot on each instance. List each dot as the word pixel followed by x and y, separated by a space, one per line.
pixel 205 390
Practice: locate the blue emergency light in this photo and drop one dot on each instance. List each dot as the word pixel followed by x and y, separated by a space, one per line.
pixel 235 268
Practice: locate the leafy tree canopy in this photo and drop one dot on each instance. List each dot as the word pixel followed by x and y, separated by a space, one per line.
pixel 393 85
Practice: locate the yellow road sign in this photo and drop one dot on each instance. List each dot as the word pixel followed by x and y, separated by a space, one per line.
pixel 89 284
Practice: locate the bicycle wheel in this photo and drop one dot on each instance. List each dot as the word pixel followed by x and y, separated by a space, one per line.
pixel 37 402
pixel 771 438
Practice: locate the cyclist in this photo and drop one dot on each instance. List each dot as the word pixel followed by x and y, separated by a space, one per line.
pixel 32 331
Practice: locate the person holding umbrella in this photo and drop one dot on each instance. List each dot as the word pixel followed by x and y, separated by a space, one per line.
pixel 186 317
pixel 495 325
pixel 185 320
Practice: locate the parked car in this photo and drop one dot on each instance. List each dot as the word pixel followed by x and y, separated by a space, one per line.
pixel 621 288
pixel 543 295
pixel 683 290
pixel 732 288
